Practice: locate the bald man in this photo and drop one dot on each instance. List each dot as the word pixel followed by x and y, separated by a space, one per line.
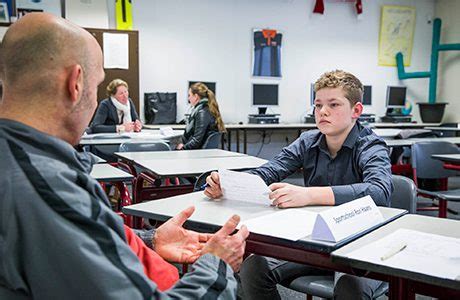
pixel 58 237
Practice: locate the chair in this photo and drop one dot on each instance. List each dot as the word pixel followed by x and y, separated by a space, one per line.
pixel 429 170
pixel 213 141
pixel 404 196
pixel 400 156
pixel 143 147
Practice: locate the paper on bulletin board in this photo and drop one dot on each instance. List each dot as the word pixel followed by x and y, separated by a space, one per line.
pixel 396 34
pixel 116 50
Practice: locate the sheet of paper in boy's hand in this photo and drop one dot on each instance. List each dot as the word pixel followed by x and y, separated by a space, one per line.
pixel 292 224
pixel 239 186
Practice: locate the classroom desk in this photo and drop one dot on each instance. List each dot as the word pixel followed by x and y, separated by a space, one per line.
pixel 209 215
pixel 443 131
pixel 106 173
pixel 143 136
pixel 299 127
pixel 405 282
pixel 192 167
pixel 451 161
pixel 130 157
pixel 409 142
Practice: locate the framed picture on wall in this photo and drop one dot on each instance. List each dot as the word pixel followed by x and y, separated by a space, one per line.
pixel 4 15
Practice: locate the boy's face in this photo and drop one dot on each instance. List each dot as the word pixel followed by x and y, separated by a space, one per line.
pixel 334 114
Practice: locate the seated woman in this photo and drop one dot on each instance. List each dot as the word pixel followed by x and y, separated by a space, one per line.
pixel 204 120
pixel 116 113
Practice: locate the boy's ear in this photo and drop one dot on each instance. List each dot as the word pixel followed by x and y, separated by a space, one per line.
pixel 357 110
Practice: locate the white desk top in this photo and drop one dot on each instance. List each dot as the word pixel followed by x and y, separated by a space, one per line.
pixel 409 142
pixel 446 227
pixel 297 125
pixel 211 214
pixel 106 172
pixel 182 154
pixel 114 138
pixel 443 128
pixel 455 158
pixel 196 166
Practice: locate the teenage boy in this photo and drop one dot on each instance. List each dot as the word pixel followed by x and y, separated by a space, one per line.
pixel 341 161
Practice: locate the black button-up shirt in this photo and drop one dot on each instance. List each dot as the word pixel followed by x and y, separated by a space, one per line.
pixel 361 167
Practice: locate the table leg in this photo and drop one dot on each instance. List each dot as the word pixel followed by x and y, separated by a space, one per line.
pixel 245 141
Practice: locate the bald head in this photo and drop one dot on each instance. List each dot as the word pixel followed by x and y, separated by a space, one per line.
pixel 36 47
pixel 50 70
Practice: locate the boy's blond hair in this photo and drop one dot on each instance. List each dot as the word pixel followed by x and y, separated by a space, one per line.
pixel 350 84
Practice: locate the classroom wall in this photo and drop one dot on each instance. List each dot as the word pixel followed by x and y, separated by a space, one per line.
pixel 449 62
pixel 210 40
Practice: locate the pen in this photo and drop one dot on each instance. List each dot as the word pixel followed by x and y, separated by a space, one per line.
pixel 392 252
pixel 204 186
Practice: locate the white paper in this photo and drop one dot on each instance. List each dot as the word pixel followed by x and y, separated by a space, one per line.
pixel 345 220
pixel 292 224
pixel 239 186
pixel 116 50
pixel 425 253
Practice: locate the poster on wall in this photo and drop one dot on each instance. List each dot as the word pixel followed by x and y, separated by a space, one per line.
pixel 397 27
pixel 267 53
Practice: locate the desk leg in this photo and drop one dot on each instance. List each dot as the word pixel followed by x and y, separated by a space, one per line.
pixel 229 140
pixel 245 141
pixel 237 140
pixel 399 289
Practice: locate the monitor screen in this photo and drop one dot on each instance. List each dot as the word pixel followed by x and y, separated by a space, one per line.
pixel 210 85
pixel 265 94
pixel 367 95
pixel 396 96
pixel 312 94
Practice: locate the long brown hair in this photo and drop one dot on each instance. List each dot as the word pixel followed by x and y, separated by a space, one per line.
pixel 203 91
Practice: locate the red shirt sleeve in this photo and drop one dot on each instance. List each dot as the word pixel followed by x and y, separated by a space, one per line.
pixel 164 274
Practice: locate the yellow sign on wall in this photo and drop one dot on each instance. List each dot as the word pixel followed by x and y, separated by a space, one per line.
pixel 397 27
pixel 123 14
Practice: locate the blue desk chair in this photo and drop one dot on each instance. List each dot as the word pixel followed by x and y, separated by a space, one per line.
pixel 405 197
pixel 213 141
pixel 431 170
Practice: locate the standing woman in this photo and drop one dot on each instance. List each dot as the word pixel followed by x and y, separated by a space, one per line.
pixel 116 113
pixel 204 120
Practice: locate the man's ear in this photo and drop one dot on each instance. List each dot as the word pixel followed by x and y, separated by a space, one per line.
pixel 357 110
pixel 75 83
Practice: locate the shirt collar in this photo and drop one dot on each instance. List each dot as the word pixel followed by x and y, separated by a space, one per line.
pixel 349 141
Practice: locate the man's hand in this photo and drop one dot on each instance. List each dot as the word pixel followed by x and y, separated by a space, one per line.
pixel 286 195
pixel 213 189
pixel 137 126
pixel 180 146
pixel 176 244
pixel 230 248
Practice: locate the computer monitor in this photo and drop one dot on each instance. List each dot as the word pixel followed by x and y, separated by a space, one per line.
pixel 396 96
pixel 367 95
pixel 210 85
pixel 264 95
pixel 312 94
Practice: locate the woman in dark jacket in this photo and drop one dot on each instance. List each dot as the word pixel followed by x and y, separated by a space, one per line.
pixel 116 113
pixel 204 120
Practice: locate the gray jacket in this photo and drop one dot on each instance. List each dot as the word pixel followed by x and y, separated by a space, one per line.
pixel 59 238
